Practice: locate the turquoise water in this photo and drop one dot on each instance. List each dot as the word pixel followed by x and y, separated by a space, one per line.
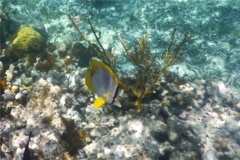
pixel 214 25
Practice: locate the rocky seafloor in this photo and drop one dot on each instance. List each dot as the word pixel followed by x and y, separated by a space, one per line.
pixel 197 120
pixel 46 94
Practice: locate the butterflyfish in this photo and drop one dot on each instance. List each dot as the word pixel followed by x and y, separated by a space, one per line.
pixel 100 79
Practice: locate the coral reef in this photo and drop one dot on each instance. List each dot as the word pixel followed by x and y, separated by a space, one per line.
pixel 181 119
pixel 173 126
pixel 197 120
pixel 27 41
pixel 42 117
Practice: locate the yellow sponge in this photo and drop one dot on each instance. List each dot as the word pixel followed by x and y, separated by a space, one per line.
pixel 27 41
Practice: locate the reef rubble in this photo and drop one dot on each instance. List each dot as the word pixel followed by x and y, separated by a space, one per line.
pixel 171 126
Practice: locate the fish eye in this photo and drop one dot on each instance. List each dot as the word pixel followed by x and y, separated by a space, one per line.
pixel 90 62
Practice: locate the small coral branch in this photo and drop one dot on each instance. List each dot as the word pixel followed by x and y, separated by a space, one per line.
pixel 105 56
pixel 148 73
pixel 173 57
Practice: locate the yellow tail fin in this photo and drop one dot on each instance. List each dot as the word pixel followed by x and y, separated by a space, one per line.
pixel 99 102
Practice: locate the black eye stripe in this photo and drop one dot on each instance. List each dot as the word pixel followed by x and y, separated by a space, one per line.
pixel 115 95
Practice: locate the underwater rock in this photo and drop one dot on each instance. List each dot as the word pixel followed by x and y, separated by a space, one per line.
pixel 155 133
pixel 160 130
pixel 183 156
pixel 3 16
pixel 127 140
pixel 9 73
pixel 238 107
pixel 232 154
pixel 63 48
pixel 5 126
pixel 8 95
pixel 153 108
pixel 173 136
pixel 175 124
pixel 12 94
pixel 232 126
pixel 51 47
pixel 237 137
pixel 8 27
pixel 41 116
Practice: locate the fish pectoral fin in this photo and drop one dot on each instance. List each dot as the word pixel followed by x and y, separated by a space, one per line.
pixel 99 102
pixel 106 95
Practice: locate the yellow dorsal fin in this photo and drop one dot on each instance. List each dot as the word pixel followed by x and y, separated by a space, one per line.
pixel 99 102
pixel 88 79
